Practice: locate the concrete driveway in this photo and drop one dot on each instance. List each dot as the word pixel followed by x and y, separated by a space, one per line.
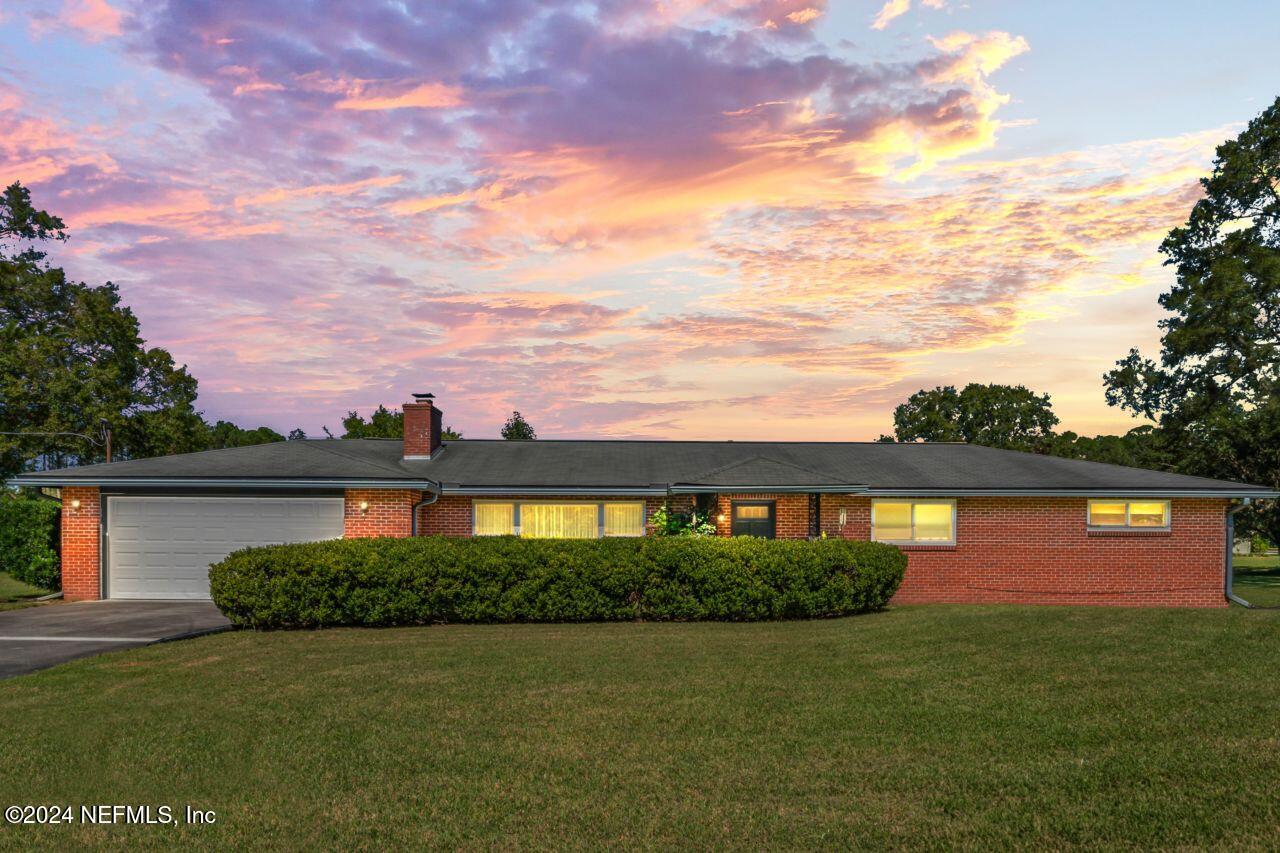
pixel 38 637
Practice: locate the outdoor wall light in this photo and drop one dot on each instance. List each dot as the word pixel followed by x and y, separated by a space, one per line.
pixel 75 504
pixel 364 506
pixel 720 518
pixel 844 517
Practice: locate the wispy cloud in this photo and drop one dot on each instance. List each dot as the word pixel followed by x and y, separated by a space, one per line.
pixel 633 218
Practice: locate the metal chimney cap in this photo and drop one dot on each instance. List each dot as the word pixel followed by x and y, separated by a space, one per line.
pixel 424 396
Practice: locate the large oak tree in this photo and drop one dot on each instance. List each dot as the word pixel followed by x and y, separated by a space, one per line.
pixel 1215 388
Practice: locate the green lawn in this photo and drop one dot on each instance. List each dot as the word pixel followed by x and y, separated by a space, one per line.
pixel 1257 580
pixel 921 726
pixel 14 593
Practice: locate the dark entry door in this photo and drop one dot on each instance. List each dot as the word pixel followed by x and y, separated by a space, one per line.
pixel 754 518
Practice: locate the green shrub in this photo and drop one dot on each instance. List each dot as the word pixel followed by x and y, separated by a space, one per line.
pixel 28 541
pixel 504 579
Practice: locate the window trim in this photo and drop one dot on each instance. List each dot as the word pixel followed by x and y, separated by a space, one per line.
pixel 918 543
pixel 599 505
pixel 1128 526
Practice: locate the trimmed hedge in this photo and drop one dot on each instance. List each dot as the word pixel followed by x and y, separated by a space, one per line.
pixel 504 579
pixel 28 541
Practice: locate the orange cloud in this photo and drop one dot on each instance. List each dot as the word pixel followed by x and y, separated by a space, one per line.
pixel 281 195
pixel 894 9
pixel 423 96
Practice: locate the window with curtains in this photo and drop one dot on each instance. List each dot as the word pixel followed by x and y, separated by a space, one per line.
pixel 551 520
pixel 924 522
pixel 1122 515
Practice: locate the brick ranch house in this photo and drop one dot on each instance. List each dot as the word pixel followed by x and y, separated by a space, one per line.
pixel 977 524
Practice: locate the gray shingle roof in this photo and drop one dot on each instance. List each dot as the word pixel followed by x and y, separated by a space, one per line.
pixel 646 465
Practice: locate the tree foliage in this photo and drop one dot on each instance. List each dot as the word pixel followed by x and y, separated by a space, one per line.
pixel 518 429
pixel 385 423
pixel 993 415
pixel 72 359
pixel 1215 389
pixel 226 434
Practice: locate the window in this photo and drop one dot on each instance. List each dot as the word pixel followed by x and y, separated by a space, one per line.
pixel 917 522
pixel 751 511
pixel 495 519
pixel 546 520
pixel 559 521
pixel 624 519
pixel 1124 515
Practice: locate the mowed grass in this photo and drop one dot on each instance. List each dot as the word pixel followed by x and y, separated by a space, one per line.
pixel 1257 579
pixel 15 593
pixel 920 726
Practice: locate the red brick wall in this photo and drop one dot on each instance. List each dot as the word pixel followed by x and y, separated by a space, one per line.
pixel 1008 550
pixel 1039 551
pixel 81 541
pixel 451 515
pixel 791 513
pixel 389 512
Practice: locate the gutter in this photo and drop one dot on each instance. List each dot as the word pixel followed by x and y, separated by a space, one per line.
pixel 413 511
pixel 228 482
pixel 1229 575
pixel 505 491
pixel 1091 493
pixel 724 489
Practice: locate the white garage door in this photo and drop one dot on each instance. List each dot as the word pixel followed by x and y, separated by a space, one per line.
pixel 162 547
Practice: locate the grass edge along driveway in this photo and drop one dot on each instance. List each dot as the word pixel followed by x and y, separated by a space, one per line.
pixel 967 726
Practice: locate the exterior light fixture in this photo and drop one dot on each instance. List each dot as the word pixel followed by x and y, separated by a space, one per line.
pixel 364 506
pixel 844 516
pixel 75 504
pixel 720 518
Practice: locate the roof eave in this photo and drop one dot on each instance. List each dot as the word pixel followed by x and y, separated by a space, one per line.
pixel 480 491
pixel 688 489
pixel 42 480
pixel 1144 491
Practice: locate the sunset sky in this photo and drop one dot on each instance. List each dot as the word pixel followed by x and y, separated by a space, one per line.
pixel 753 219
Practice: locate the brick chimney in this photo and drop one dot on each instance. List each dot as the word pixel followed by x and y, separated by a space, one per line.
pixel 421 427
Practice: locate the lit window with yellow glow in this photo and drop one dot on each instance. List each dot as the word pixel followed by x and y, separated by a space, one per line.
pixel 914 521
pixel 495 519
pixel 1129 515
pixel 624 519
pixel 550 520
pixel 559 521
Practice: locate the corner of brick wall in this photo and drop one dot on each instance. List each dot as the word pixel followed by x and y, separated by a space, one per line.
pixel 81 544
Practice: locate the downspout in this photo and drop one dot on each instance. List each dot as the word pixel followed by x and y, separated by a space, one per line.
pixel 426 501
pixel 1230 576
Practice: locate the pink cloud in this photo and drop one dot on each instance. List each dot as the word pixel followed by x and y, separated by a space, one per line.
pixel 422 96
pixel 632 218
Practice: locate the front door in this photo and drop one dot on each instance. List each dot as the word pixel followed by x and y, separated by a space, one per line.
pixel 754 518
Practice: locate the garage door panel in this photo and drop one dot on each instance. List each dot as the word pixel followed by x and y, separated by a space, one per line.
pixel 162 547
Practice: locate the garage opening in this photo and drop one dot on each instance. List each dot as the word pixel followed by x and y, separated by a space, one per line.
pixel 162 547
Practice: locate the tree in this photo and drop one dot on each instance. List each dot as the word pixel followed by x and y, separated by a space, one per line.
pixel 1140 447
pixel 296 434
pixel 226 434
pixel 518 429
pixel 71 357
pixel 385 423
pixel 1215 390
pixel 1005 416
